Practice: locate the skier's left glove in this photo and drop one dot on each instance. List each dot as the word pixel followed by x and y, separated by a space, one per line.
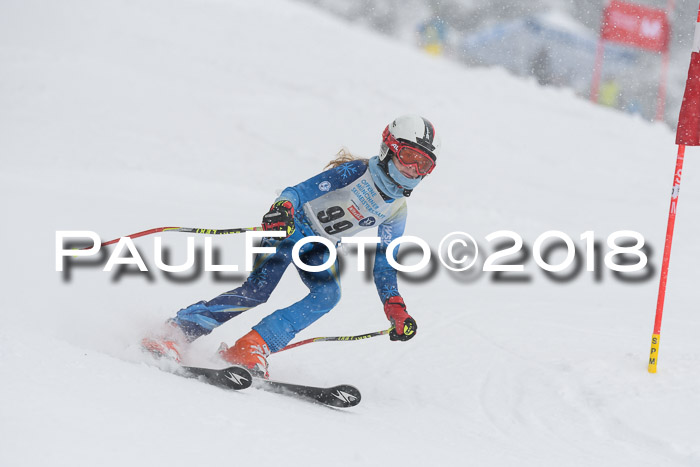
pixel 404 326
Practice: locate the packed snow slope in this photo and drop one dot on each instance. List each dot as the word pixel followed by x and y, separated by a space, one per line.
pixel 119 116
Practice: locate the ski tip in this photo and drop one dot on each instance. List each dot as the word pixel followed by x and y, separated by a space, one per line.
pixel 344 396
pixel 341 396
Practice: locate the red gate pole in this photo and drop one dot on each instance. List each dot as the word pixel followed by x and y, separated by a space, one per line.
pixel 599 56
pixel 597 70
pixel 663 79
pixel 687 134
pixel 654 353
pixel 661 96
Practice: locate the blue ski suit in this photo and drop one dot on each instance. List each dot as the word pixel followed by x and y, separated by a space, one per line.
pixel 335 203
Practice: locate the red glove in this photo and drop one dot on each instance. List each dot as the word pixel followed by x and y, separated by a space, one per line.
pixel 280 217
pixel 404 326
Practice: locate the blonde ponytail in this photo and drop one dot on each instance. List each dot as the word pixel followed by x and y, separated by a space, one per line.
pixel 342 157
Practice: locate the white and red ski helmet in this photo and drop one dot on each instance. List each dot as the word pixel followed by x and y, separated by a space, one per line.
pixel 412 130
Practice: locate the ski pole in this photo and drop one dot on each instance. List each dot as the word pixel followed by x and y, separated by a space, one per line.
pixel 338 338
pixel 186 230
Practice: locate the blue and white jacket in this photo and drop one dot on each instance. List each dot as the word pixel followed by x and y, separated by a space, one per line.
pixel 343 201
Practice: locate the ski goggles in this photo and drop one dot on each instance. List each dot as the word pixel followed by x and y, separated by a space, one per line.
pixel 409 156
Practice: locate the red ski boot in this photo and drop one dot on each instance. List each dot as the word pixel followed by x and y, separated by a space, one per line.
pixel 168 343
pixel 250 351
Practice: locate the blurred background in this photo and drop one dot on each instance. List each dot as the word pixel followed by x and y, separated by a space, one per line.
pixel 555 42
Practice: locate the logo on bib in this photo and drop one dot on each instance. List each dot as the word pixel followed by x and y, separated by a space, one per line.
pixel 324 186
pixel 355 213
pixel 367 221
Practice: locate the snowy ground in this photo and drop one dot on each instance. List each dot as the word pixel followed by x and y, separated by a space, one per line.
pixel 120 116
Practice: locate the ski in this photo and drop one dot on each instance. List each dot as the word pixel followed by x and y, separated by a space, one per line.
pixel 237 378
pixel 232 377
pixel 341 396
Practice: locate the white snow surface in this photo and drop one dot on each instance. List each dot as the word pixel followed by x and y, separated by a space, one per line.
pixel 119 116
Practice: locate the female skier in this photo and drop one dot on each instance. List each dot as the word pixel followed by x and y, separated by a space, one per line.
pixel 352 195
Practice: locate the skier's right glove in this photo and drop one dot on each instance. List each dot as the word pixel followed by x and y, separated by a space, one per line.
pixel 404 326
pixel 280 217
